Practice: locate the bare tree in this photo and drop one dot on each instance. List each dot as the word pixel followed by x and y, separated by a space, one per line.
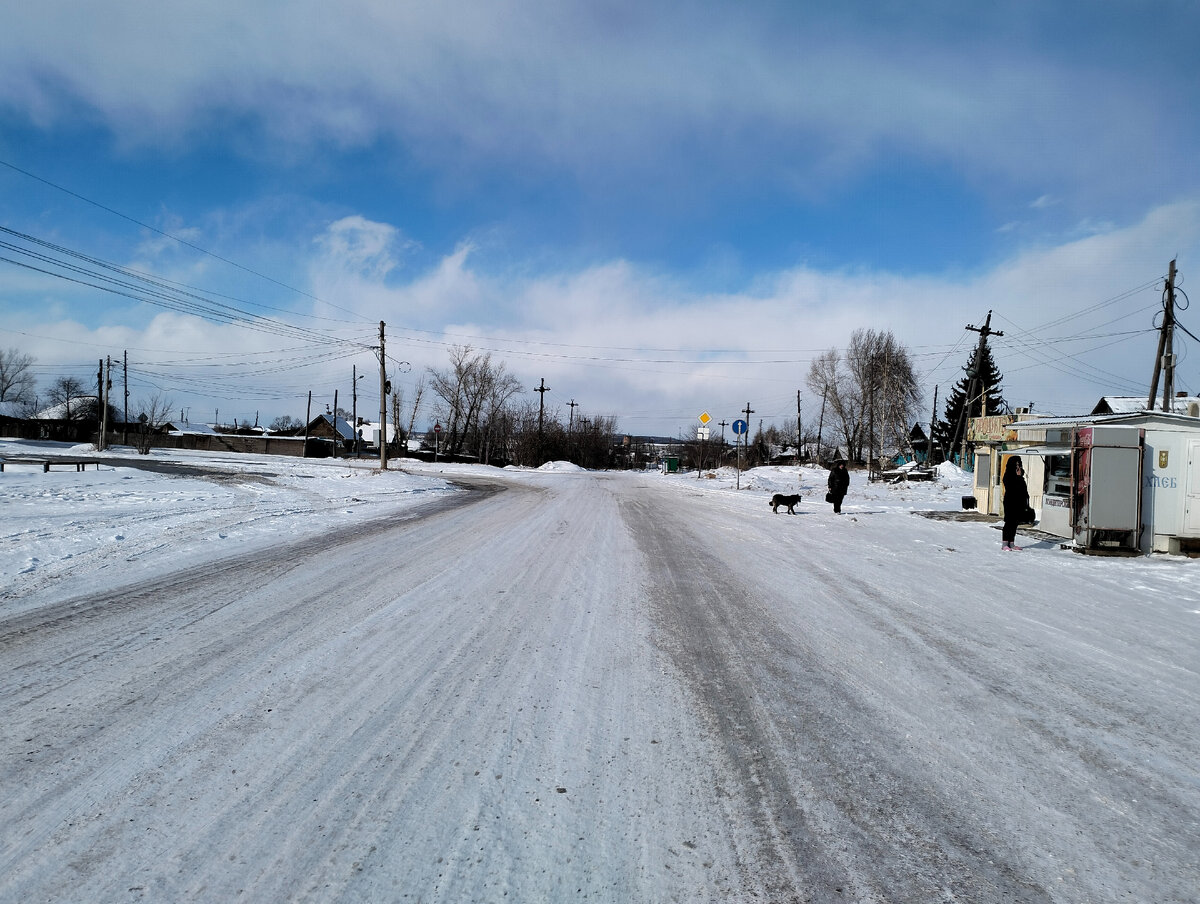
pixel 871 392
pixel 418 396
pixel 153 414
pixel 828 378
pixel 285 423
pixel 449 385
pixel 474 390
pixel 67 391
pixel 17 382
pixel 886 385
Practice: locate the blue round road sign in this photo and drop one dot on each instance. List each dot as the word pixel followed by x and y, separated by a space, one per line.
pixel 739 426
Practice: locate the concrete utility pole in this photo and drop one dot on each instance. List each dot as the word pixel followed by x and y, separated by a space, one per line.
pixel 383 391
pixel 543 389
pixel 965 418
pixel 1164 359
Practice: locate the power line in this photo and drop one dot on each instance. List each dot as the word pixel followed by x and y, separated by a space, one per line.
pixel 168 235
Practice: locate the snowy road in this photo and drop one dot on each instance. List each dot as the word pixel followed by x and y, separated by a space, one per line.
pixel 600 687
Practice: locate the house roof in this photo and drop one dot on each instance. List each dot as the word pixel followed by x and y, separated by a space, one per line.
pixel 1136 404
pixel 340 425
pixel 188 427
pixel 1135 417
pixel 59 412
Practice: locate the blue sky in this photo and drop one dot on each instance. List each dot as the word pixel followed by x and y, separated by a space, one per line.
pixel 658 208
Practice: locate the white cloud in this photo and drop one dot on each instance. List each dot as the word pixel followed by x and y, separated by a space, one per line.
pixel 593 88
pixel 628 339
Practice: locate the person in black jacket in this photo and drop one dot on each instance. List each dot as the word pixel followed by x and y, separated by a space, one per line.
pixel 1016 501
pixel 839 483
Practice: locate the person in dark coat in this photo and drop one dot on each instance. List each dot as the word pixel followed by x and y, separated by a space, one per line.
pixel 839 483
pixel 1016 501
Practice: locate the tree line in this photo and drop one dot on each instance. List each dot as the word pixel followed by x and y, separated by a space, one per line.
pixel 869 398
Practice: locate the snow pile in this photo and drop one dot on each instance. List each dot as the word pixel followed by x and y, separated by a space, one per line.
pixel 560 466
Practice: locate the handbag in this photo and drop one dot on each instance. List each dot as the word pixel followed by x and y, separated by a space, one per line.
pixel 829 497
pixel 1029 515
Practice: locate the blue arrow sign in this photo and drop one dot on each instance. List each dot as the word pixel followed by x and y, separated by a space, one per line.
pixel 739 426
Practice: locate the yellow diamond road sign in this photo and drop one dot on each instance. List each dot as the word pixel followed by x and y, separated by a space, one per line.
pixel 705 418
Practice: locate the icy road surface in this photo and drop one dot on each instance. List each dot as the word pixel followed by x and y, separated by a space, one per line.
pixel 608 687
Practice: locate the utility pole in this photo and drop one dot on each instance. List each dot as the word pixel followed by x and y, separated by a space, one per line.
pixel 107 397
pixel 307 420
pixel 125 422
pixel 336 434
pixel 99 407
pixel 932 422
pixel 747 411
pixel 1164 359
pixel 543 389
pixel 571 422
pixel 354 405
pixel 799 431
pixel 965 418
pixel 821 423
pixel 383 393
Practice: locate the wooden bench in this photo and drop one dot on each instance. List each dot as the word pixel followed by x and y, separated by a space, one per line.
pixel 79 464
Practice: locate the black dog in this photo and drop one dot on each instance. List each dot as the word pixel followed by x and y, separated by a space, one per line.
pixel 779 499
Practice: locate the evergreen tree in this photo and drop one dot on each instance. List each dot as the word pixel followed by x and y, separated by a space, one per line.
pixel 948 433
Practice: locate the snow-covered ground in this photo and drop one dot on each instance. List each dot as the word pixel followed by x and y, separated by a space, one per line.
pixel 117 523
pixel 120 522
pixel 619 686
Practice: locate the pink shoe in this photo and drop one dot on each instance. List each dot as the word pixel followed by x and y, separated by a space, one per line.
pixel 1015 548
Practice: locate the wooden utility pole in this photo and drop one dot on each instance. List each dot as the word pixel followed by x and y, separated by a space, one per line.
pixel 747 411
pixel 821 423
pixel 799 431
pixel 542 389
pixel 1169 333
pixel 99 407
pixel 383 391
pixel 571 422
pixel 354 405
pixel 965 418
pixel 107 395
pixel 932 422
pixel 125 420
pixel 307 419
pixel 1165 342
